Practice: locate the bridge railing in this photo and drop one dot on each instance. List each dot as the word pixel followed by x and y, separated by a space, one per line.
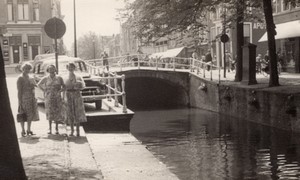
pixel 206 70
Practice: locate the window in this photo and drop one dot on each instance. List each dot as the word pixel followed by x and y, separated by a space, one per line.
pixel 23 10
pixel 10 10
pixel 285 5
pixel 36 10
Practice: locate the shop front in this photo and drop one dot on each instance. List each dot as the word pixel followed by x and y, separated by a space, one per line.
pixel 287 44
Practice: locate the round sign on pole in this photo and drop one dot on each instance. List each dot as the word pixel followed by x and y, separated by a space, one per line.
pixel 55 28
pixel 224 38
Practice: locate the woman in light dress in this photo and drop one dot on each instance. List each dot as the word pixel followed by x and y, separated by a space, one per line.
pixel 75 112
pixel 52 85
pixel 26 98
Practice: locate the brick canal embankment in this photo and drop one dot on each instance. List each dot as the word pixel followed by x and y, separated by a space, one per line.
pixel 273 106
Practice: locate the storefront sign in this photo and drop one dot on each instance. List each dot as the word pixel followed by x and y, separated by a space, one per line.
pixel 259 26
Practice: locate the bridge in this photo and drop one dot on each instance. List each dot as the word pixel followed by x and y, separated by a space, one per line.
pixel 190 82
pixel 154 81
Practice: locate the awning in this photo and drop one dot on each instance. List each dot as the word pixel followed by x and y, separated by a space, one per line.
pixel 284 30
pixel 167 54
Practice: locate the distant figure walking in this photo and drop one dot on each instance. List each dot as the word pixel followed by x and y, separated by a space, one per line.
pixel 26 98
pixel 52 85
pixel 228 61
pixel 258 63
pixel 105 60
pixel 75 107
pixel 208 59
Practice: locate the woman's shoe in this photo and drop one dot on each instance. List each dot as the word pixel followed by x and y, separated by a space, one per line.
pixel 71 134
pixel 23 134
pixel 77 134
pixel 56 132
pixel 30 133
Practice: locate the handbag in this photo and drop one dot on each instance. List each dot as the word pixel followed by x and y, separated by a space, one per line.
pixel 21 115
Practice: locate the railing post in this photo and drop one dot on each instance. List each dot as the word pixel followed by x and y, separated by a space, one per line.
pixel 109 86
pixel 204 67
pixel 211 68
pixel 121 64
pixel 116 89
pixel 156 59
pixel 174 64
pixel 138 62
pixel 191 64
pixel 124 94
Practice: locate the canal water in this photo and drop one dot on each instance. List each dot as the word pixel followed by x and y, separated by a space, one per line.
pixel 201 145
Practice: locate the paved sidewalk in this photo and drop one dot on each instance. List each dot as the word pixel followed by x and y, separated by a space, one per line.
pixel 57 156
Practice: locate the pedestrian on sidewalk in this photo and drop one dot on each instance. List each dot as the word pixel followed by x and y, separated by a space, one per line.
pixel 75 113
pixel 26 98
pixel 52 86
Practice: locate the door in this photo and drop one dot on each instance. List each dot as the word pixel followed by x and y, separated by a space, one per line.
pixel 16 54
pixel 34 51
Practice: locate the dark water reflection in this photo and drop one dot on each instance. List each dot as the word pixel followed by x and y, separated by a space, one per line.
pixel 197 144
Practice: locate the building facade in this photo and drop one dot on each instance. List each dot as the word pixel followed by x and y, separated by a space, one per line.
pixel 22 34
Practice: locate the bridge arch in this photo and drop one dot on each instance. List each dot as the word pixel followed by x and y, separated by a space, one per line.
pixel 149 88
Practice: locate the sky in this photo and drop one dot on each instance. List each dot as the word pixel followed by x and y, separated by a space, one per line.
pixel 91 15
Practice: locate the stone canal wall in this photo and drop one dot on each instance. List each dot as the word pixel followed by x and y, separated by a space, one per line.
pixel 277 107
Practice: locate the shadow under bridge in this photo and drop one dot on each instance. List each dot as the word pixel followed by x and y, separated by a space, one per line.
pixel 156 89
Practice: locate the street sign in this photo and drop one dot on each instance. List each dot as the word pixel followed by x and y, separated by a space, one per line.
pixel 55 28
pixel 224 38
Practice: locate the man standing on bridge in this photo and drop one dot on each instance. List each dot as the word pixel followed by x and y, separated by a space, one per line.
pixel 105 60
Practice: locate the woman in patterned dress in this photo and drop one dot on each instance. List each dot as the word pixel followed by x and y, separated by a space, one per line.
pixel 74 103
pixel 52 85
pixel 26 98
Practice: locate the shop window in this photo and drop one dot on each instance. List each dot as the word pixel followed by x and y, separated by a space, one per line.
pixel 23 10
pixel 10 10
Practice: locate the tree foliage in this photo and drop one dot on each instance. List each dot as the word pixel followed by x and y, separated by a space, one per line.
pixel 158 18
pixel 90 45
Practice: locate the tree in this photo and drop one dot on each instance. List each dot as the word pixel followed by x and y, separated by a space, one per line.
pixel 158 18
pixel 274 80
pixel 90 45
pixel 11 166
pixel 239 40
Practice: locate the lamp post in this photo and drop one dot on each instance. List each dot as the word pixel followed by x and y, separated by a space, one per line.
pixel 94 48
pixel 75 41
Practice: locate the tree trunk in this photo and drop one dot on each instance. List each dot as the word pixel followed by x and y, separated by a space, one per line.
pixel 11 165
pixel 239 41
pixel 273 81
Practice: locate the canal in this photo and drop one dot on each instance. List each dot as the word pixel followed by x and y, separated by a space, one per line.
pixel 198 144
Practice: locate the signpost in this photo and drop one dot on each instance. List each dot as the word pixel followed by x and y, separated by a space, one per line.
pixel 55 28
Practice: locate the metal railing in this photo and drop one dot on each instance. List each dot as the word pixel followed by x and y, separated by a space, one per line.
pixel 202 69
pixel 114 91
